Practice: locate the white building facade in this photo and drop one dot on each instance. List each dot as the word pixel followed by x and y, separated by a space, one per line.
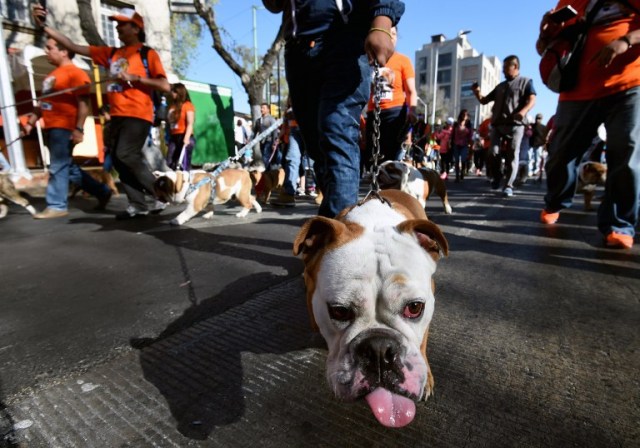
pixel 452 66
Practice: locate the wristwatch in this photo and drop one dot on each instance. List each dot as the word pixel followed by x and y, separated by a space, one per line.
pixel 79 129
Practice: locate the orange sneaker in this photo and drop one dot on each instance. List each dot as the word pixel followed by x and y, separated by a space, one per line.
pixel 619 241
pixel 548 217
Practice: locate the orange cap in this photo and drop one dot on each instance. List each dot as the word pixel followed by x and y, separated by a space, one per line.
pixel 129 15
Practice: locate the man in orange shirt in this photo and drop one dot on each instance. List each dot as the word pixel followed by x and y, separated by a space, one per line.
pixel 397 104
pixel 607 91
pixel 129 97
pixel 64 115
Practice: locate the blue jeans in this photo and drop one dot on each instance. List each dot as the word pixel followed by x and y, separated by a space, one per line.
pixel 62 170
pixel 292 161
pixel 575 126
pixel 60 148
pixel 535 159
pixel 460 154
pixel 87 183
pixel 329 83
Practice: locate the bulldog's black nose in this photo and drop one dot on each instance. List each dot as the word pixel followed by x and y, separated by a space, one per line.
pixel 379 358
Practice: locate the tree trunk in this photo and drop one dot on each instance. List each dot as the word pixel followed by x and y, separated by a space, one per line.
pixel 253 83
pixel 88 24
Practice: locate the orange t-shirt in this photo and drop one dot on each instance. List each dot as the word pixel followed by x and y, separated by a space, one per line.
pixel 61 111
pixel 127 101
pixel 394 75
pixel 180 126
pixel 624 72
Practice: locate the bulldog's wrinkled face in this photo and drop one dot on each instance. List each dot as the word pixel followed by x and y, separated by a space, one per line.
pixel 372 300
pixel 593 173
pixel 164 186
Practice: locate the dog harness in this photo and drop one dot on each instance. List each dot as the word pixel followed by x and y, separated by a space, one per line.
pixel 209 179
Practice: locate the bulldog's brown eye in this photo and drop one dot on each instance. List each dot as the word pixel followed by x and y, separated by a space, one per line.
pixel 413 310
pixel 340 313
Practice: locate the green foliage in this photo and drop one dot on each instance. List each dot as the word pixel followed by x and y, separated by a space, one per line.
pixel 186 31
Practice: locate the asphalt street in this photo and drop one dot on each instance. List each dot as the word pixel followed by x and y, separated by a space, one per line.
pixel 140 334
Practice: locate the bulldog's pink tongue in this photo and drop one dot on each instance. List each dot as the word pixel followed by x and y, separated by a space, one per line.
pixel 391 410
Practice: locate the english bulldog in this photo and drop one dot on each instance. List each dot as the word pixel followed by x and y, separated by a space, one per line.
pixel 418 182
pixel 267 182
pixel 196 188
pixel 8 191
pixel 590 175
pixel 370 293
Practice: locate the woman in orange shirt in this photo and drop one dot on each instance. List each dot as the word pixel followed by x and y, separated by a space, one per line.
pixel 182 115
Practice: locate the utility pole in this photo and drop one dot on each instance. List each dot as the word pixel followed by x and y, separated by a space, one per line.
pixel 255 37
pixel 9 115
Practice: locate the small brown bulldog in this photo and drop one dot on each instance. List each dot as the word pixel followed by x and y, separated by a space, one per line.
pixel 418 182
pixel 266 182
pixel 8 191
pixel 590 175
pixel 370 292
pixel 197 187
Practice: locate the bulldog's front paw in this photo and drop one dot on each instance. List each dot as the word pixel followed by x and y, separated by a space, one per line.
pixel 428 388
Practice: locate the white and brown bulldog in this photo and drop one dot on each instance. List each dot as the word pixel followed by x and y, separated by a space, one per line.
pixel 419 183
pixel 370 292
pixel 196 189
pixel 590 175
pixel 8 191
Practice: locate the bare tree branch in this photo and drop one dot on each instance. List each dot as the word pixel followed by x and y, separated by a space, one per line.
pixel 253 83
pixel 88 24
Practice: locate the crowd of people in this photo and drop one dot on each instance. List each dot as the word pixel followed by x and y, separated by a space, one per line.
pixel 331 48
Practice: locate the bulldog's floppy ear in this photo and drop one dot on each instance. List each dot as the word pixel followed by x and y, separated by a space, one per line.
pixel 429 236
pixel 317 233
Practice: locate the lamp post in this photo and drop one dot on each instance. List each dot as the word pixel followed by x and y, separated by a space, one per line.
pixel 425 109
pixel 435 81
pixel 436 48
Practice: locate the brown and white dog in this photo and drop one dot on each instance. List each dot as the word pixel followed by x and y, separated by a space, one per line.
pixel 196 189
pixel 266 182
pixel 370 292
pixel 419 183
pixel 590 175
pixel 8 191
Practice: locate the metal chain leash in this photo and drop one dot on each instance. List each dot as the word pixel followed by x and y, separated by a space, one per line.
pixel 376 156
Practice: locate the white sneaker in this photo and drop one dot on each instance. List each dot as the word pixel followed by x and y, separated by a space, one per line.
pixel 131 212
pixel 158 207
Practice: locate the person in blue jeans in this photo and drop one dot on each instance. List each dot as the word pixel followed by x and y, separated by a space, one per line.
pixel 327 60
pixel 292 157
pixel 607 92
pixel 64 115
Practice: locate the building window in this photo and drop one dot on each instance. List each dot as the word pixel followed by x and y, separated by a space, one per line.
pixel 422 80
pixel 16 11
pixel 446 91
pixel 444 60
pixel 108 27
pixel 444 76
pixel 422 64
